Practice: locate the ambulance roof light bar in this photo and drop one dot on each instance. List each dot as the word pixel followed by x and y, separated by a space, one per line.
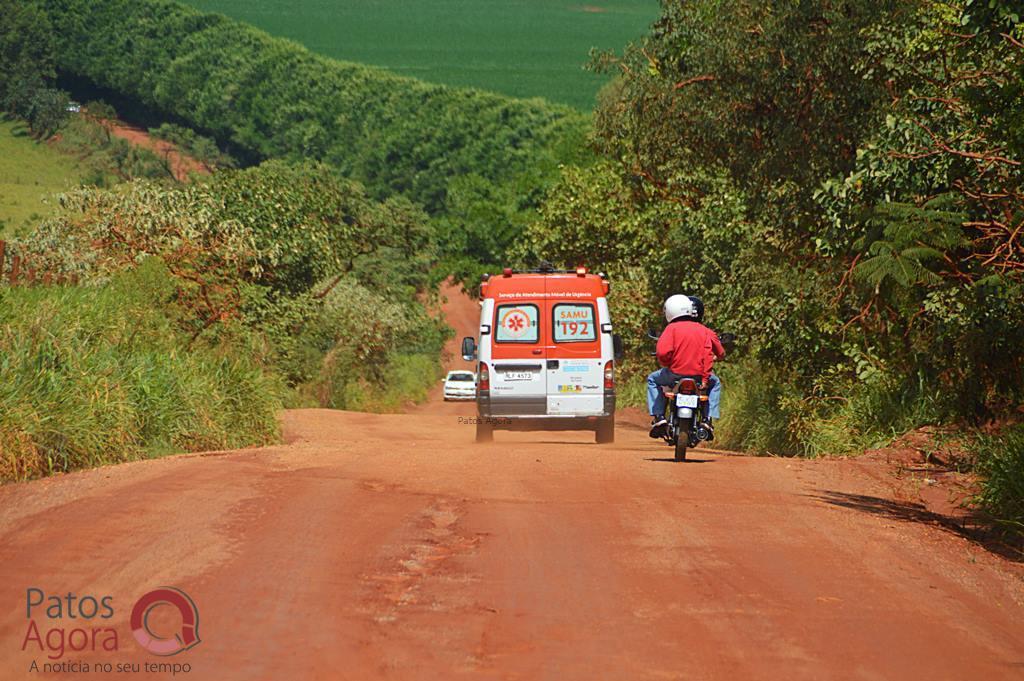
pixel 546 267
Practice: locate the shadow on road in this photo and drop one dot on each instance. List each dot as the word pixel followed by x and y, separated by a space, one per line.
pixel 969 526
pixel 688 460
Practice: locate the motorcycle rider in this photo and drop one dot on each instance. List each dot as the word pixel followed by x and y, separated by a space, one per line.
pixel 685 348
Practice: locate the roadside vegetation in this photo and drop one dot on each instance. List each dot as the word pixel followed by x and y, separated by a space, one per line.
pixel 198 308
pixel 94 375
pixel 1000 462
pixel 842 184
pixel 252 289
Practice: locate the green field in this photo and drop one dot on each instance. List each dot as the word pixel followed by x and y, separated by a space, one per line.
pixel 523 48
pixel 30 174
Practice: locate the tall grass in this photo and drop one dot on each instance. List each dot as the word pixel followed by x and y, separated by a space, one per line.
pixel 30 172
pixel 765 412
pixel 98 375
pixel 1000 462
pixel 409 379
pixel 756 412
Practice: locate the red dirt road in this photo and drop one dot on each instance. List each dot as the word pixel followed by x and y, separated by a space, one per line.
pixel 392 547
pixel 347 554
pixel 181 164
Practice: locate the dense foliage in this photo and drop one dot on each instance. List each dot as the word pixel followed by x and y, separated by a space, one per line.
pixel 27 67
pixel 840 181
pixel 273 245
pixel 202 149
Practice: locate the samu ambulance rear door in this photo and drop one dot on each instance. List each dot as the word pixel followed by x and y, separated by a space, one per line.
pixel 574 366
pixel 518 380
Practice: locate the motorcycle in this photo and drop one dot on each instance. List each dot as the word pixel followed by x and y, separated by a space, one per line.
pixel 686 408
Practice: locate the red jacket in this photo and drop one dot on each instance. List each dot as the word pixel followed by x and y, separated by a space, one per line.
pixel 689 348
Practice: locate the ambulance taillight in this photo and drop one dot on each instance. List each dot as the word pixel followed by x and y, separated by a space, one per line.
pixel 484 380
pixel 609 375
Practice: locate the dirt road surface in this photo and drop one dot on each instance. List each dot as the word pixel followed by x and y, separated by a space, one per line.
pixel 392 547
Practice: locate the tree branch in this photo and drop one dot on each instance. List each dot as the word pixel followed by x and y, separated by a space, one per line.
pixel 696 79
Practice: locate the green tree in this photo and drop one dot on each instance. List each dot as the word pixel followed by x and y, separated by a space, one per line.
pixel 46 111
pixel 26 54
pixel 764 89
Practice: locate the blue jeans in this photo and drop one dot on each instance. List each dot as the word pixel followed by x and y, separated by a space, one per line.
pixel 656 399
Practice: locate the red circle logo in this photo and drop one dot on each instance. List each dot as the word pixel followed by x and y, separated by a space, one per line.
pixel 185 638
pixel 516 323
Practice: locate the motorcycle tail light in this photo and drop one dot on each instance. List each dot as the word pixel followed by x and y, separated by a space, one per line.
pixel 484 382
pixel 609 375
pixel 688 386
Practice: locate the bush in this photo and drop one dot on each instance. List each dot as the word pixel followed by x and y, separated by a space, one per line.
pixel 407 380
pixel 758 409
pixel 1000 462
pixel 98 375
pixel 285 228
pixel 203 149
pixel 321 277
pixel 46 112
pixel 354 348
pixel 26 56
pixel 107 159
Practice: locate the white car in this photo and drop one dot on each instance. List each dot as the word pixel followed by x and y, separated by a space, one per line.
pixel 460 385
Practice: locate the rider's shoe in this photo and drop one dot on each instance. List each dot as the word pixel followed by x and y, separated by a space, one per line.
pixel 658 427
pixel 711 430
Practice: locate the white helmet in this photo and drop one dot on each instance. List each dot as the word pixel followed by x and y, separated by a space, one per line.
pixel 679 306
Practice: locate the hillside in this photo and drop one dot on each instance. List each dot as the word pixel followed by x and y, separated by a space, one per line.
pixel 535 48
pixel 271 98
pixel 30 172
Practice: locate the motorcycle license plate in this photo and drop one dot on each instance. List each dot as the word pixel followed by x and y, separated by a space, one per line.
pixel 686 401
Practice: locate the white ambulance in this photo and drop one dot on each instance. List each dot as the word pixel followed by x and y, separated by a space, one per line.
pixel 546 353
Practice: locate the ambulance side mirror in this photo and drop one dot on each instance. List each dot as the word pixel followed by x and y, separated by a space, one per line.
pixel 468 349
pixel 618 351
